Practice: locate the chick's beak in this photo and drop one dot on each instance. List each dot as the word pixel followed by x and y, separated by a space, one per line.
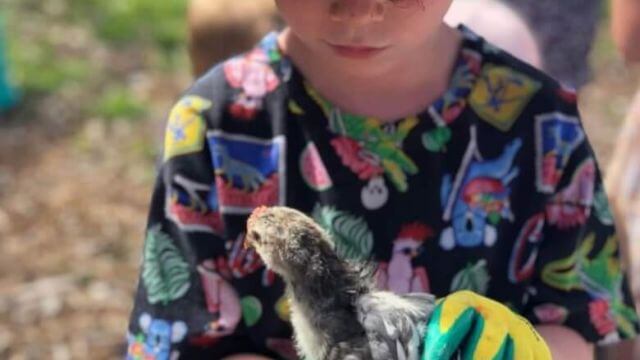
pixel 247 243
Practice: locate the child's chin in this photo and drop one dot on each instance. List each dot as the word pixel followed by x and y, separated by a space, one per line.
pixel 365 67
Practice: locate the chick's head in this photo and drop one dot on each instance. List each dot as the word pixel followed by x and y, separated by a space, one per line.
pixel 286 239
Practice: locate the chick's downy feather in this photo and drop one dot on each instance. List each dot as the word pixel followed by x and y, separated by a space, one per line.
pixel 336 312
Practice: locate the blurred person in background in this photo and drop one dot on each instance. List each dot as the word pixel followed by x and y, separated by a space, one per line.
pixel 623 175
pixel 565 31
pixel 8 95
pixel 511 32
pixel 625 27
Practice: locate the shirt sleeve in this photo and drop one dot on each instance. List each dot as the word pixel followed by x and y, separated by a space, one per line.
pixel 185 304
pixel 579 281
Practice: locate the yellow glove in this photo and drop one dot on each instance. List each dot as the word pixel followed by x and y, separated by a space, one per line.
pixel 490 331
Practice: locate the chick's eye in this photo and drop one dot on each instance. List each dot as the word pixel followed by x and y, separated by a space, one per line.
pixel 255 236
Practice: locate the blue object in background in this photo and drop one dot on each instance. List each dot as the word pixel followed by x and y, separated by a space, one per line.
pixel 8 95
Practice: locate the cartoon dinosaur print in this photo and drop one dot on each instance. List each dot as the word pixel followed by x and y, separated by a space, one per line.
pixel 192 191
pixel 249 171
pixel 249 176
pixel 193 206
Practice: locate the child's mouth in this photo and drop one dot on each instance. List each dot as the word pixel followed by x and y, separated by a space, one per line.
pixel 356 52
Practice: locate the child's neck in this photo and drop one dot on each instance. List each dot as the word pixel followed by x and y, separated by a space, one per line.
pixel 403 88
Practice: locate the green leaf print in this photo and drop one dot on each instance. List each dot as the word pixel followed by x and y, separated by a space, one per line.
pixel 599 276
pixel 165 273
pixel 251 310
pixel 352 238
pixel 473 277
pixel 494 218
pixel 436 139
pixel 370 133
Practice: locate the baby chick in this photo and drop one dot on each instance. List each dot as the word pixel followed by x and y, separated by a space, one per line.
pixel 336 312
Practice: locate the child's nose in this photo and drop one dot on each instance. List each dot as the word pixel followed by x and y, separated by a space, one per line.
pixel 357 10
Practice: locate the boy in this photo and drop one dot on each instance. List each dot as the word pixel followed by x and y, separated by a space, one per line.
pixel 447 161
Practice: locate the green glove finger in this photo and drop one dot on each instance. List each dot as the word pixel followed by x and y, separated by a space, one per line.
pixel 483 329
pixel 509 353
pixel 473 350
pixel 441 345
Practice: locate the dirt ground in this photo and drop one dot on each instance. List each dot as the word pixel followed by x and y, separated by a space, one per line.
pixel 74 192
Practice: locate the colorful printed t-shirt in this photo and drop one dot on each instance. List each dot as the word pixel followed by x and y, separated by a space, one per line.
pixel 494 188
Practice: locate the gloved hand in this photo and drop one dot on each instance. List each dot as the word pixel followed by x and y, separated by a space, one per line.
pixel 492 331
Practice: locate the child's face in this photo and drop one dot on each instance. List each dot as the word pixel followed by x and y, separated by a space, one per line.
pixel 351 31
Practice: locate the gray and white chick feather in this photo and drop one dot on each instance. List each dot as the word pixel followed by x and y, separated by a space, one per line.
pixel 336 311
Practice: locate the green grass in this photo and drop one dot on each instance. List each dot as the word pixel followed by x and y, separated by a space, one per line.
pixel 119 103
pixel 125 21
pixel 33 61
pixel 37 68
